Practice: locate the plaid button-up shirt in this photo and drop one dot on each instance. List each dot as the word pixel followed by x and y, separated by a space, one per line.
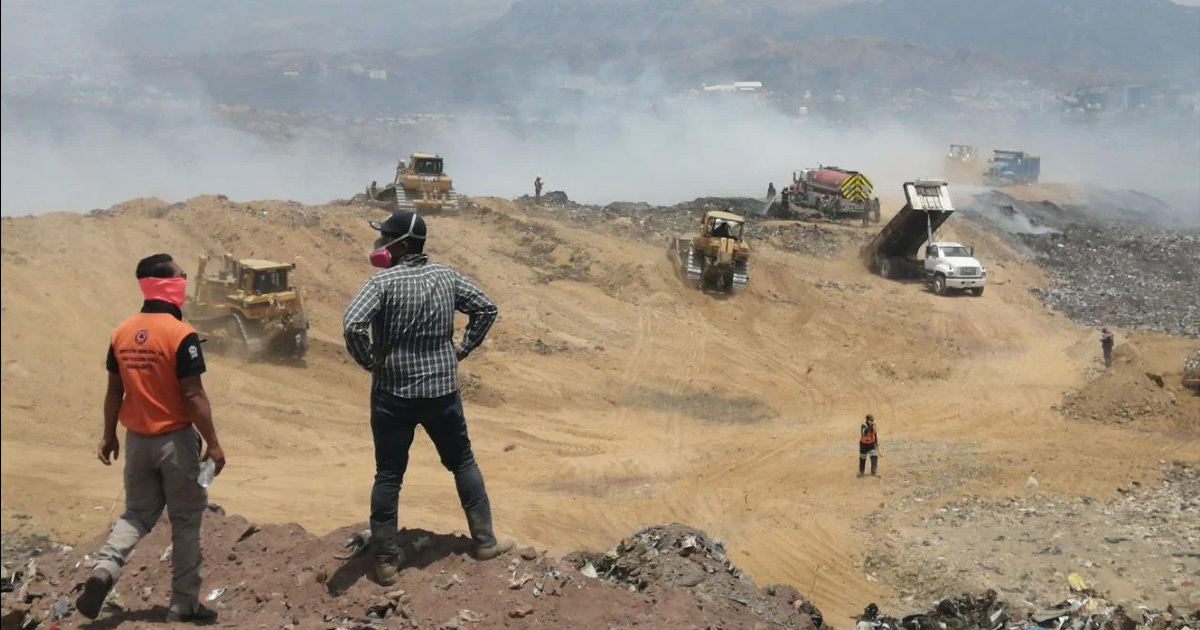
pixel 400 326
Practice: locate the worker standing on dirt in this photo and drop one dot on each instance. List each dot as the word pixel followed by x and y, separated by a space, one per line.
pixel 771 191
pixel 1106 346
pixel 400 327
pixel 783 199
pixel 154 390
pixel 537 189
pixel 868 446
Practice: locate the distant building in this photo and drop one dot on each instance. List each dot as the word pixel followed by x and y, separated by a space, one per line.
pixel 736 86
pixel 377 75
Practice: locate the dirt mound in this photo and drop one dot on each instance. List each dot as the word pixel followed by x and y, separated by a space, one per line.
pixel 1125 393
pixel 282 576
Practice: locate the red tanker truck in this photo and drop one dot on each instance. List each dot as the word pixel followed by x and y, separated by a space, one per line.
pixel 835 192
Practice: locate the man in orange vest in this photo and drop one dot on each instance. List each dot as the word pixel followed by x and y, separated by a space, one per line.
pixel 154 390
pixel 868 446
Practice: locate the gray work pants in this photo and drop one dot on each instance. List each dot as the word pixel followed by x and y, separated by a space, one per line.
pixel 161 471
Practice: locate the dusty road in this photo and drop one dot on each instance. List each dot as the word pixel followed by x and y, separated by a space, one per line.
pixel 609 395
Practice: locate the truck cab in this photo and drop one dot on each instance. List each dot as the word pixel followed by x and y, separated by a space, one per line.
pixel 953 266
pixel 1013 167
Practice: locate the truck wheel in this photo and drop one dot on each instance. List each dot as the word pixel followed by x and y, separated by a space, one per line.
pixel 939 285
pixel 977 292
pixel 885 269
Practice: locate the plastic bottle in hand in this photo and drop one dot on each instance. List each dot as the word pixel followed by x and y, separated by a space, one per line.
pixel 208 470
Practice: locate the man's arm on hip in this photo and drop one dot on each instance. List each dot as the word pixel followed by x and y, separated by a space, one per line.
pixel 469 299
pixel 356 324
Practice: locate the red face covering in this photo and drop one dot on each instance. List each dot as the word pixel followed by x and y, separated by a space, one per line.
pixel 173 290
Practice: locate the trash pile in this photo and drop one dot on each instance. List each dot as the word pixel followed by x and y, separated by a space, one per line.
pixel 1109 264
pixel 1117 273
pixel 675 556
pixel 1083 609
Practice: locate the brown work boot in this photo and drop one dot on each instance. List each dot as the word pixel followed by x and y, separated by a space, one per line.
pixel 386 571
pixel 493 551
pixel 95 591
pixel 200 614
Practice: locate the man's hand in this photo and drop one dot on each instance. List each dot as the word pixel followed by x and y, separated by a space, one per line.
pixel 460 352
pixel 214 452
pixel 110 449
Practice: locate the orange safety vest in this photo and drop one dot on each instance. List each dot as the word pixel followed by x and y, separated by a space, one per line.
pixel 868 436
pixel 146 347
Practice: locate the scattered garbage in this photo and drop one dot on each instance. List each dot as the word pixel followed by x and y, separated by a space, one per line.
pixel 113 600
pixel 589 571
pixel 1084 610
pixel 215 593
pixel 60 609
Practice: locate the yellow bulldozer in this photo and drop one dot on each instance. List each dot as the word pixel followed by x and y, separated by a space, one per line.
pixel 964 165
pixel 249 307
pixel 421 185
pixel 719 258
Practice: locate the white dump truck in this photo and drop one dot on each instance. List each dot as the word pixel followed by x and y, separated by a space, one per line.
pixel 895 251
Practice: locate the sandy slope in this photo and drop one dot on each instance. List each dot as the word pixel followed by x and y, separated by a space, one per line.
pixel 602 402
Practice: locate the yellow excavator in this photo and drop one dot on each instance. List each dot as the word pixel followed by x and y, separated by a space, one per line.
pixel 719 258
pixel 421 185
pixel 249 307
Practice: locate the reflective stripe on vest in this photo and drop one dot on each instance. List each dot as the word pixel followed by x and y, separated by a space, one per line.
pixel 146 347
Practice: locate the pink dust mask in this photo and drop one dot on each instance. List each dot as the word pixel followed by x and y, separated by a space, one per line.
pixel 381 257
pixel 172 290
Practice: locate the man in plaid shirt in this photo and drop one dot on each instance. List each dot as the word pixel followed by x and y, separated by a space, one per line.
pixel 400 327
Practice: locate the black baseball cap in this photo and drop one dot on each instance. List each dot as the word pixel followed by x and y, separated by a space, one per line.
pixel 402 225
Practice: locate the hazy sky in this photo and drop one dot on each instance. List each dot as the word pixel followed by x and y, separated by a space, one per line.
pixel 652 144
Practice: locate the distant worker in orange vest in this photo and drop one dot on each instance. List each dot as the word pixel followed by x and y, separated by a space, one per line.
pixel 154 390
pixel 868 446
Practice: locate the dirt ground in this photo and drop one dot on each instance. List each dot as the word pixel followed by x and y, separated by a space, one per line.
pixel 608 397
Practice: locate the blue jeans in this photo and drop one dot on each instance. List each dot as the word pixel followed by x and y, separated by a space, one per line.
pixel 393 423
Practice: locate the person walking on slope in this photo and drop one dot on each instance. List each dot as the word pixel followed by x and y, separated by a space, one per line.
pixel 400 327
pixel 771 191
pixel 868 446
pixel 537 188
pixel 1106 346
pixel 154 390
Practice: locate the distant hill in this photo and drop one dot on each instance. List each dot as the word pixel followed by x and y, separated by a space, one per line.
pixel 1142 37
pixel 1129 38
